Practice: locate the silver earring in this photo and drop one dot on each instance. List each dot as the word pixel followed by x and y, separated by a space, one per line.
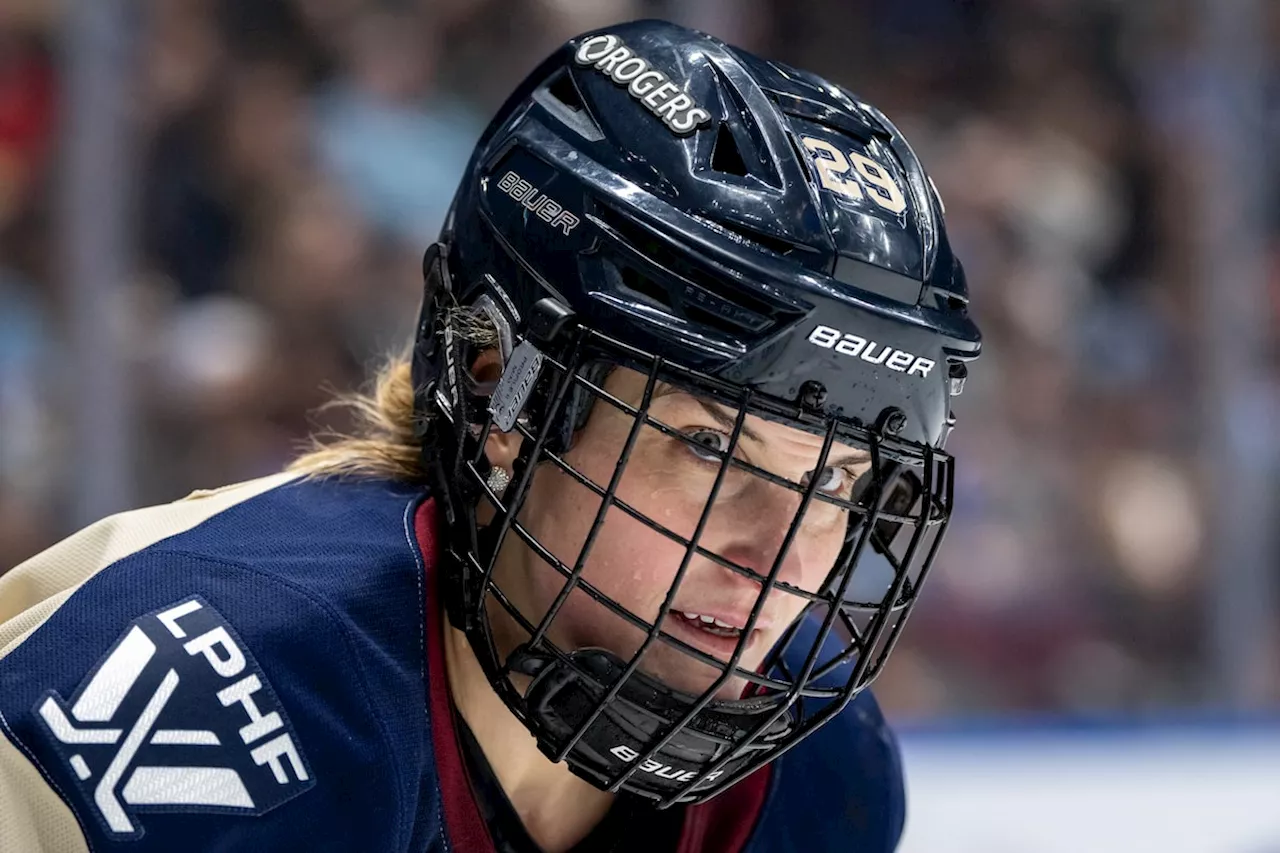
pixel 498 480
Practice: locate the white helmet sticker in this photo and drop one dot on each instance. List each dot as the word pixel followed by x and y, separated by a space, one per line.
pixel 871 352
pixel 653 89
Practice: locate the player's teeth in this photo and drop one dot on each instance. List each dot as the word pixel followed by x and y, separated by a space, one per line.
pixel 709 622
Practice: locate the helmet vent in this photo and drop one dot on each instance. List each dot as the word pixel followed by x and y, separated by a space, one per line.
pixel 726 157
pixel 773 244
pixel 696 304
pixel 644 286
pixel 562 88
pixel 560 97
pixel 686 290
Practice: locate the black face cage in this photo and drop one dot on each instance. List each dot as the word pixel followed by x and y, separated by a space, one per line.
pixel 614 724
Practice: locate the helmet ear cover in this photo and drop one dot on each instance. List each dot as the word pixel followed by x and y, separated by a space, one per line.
pixel 442 397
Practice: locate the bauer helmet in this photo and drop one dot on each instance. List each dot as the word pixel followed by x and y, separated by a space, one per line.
pixel 651 199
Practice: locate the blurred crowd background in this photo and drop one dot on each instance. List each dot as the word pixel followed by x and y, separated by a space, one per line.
pixel 288 161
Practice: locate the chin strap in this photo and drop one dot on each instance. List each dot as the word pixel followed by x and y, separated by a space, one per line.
pixel 564 694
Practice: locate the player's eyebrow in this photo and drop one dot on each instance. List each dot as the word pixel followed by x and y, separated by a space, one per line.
pixel 725 421
pixel 665 389
pixel 723 418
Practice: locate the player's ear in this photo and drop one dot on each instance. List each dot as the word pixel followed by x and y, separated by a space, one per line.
pixel 501 447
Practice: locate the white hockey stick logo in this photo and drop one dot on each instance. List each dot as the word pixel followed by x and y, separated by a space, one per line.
pixel 117 737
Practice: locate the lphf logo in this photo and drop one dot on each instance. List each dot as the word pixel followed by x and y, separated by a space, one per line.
pixel 178 717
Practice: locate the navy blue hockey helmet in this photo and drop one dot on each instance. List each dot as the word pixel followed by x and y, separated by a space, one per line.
pixel 652 198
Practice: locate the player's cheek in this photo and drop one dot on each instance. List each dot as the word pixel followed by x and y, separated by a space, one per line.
pixel 664 483
pixel 820 542
pixel 632 563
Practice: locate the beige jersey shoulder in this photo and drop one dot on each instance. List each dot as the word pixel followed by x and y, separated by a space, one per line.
pixel 34 817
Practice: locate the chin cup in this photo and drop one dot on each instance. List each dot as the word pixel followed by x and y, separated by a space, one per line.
pixel 565 694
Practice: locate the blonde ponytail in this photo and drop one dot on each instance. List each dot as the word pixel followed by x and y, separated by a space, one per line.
pixel 383 442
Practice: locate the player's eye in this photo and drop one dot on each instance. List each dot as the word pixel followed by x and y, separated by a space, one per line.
pixel 709 444
pixel 830 480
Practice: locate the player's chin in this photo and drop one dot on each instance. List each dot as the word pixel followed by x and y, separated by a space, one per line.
pixel 682 672
pixel 697 684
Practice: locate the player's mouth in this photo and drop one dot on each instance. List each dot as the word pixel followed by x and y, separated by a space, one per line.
pixel 710 624
pixel 711 634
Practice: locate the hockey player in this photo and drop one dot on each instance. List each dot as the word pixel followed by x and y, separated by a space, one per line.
pixel 618 550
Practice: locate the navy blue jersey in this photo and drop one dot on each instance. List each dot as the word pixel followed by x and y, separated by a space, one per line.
pixel 260 668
